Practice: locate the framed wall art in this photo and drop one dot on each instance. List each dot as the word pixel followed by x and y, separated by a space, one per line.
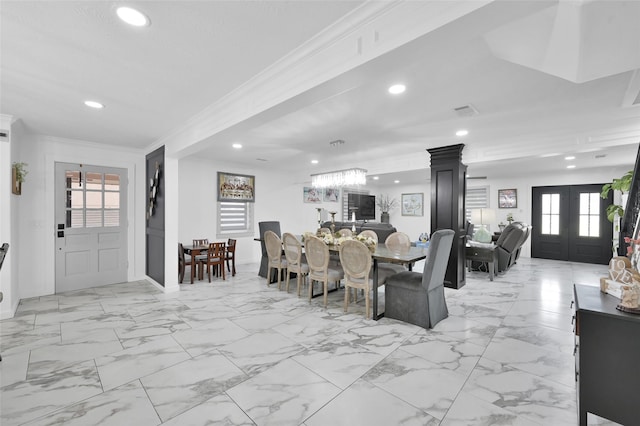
pixel 507 198
pixel 331 195
pixel 412 204
pixel 311 194
pixel 234 187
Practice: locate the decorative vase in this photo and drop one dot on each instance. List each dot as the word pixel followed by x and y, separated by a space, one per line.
pixel 384 217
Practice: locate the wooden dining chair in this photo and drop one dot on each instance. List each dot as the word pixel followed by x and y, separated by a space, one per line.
pixel 274 252
pixel 295 260
pixel 319 270
pixel 395 241
pixel 183 261
pixel 230 256
pixel 201 258
pixel 215 259
pixel 345 232
pixel 355 258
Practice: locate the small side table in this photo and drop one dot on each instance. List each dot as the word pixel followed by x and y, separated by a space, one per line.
pixel 480 252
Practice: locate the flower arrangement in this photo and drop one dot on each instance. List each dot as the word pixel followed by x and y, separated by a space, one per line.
pixel 386 203
pixel 337 239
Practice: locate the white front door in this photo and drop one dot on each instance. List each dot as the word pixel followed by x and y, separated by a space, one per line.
pixel 91 226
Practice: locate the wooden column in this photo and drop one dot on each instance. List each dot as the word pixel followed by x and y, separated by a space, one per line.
pixel 448 187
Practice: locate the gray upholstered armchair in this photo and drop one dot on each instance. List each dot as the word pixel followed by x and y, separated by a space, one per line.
pixel 419 298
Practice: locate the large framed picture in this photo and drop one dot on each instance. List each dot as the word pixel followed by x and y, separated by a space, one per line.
pixel 311 194
pixel 507 198
pixel 234 187
pixel 331 195
pixel 412 204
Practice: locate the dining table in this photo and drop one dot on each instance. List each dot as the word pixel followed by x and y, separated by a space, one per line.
pixel 404 256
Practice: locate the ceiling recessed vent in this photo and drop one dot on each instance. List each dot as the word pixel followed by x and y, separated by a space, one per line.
pixel 466 111
pixel 336 143
pixel 3 134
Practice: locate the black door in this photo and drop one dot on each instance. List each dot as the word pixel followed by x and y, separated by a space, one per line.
pixel 570 223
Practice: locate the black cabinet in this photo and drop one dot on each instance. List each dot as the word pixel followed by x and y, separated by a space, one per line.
pixel 607 357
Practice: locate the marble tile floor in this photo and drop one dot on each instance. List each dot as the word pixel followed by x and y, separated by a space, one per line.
pixel 240 352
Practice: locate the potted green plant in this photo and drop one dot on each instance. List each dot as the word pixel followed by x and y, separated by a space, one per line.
pixel 622 184
pixel 386 204
pixel 19 172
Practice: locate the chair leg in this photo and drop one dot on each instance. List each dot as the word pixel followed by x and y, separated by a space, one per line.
pixel 287 280
pixel 221 266
pixel 233 266
pixel 326 292
pixel 347 293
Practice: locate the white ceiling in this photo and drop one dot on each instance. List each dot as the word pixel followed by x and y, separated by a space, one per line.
pixel 548 79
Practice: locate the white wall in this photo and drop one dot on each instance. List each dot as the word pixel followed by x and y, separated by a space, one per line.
pixel 277 199
pixel 36 226
pixel 8 216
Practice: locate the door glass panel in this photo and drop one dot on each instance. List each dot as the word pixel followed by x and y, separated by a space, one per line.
pixel 555 225
pixel 98 193
pixel 111 200
pixel 111 218
pixel 589 214
pixel 72 179
pixel 546 224
pixel 111 182
pixel 555 203
pixel 94 218
pixel 77 200
pixel 94 200
pixel 94 181
pixel 75 218
pixel 550 214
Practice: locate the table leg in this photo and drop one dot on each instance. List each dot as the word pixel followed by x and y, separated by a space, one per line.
pixel 491 269
pixel 193 266
pixel 375 314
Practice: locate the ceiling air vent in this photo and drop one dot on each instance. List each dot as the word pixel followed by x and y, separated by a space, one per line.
pixel 3 134
pixel 466 111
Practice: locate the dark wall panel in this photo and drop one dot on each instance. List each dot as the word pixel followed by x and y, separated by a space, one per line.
pixel 155 243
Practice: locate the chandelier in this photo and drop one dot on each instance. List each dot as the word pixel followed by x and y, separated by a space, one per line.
pixel 346 177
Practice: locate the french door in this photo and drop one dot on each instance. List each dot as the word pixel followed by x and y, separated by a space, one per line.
pixel 570 223
pixel 91 226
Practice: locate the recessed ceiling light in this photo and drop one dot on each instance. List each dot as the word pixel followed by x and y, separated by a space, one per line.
pixel 570 157
pixel 314 161
pixel 237 145
pixel 462 132
pixel 94 104
pixel 396 181
pixel 376 177
pixel 133 17
pixel 396 89
pixel 571 166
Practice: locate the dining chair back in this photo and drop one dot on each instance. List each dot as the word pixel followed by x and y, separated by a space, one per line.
pixel 397 240
pixel 230 256
pixel 3 252
pixel 325 230
pixel 355 258
pixel 201 242
pixel 183 261
pixel 215 259
pixel 345 232
pixel 369 233
pixel 319 270
pixel 273 245
pixel 296 262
